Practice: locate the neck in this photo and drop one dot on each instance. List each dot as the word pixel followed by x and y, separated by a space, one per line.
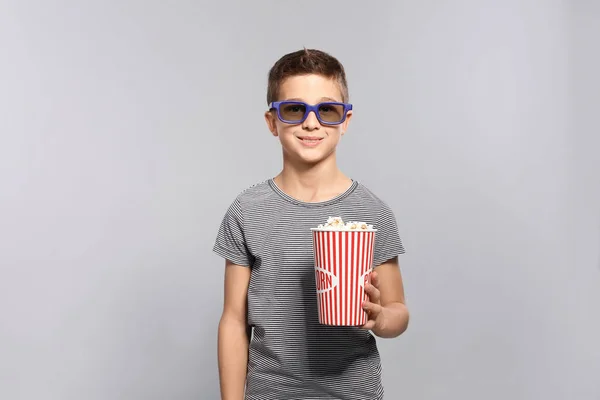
pixel 312 183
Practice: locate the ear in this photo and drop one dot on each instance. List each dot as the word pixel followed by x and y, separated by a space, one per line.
pixel 270 120
pixel 346 122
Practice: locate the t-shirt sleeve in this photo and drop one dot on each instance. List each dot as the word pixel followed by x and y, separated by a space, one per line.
pixel 231 239
pixel 387 239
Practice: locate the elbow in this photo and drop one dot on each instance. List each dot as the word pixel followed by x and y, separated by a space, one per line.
pixel 234 325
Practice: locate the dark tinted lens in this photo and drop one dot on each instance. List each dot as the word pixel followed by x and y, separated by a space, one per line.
pixel 292 111
pixel 331 112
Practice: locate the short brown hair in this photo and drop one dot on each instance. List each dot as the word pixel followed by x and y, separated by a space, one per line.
pixel 305 62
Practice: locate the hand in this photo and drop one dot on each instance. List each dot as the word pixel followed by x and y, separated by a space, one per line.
pixel 373 307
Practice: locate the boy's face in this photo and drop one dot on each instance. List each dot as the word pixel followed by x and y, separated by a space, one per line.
pixel 308 142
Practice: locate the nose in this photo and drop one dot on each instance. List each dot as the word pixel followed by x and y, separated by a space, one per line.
pixel 311 122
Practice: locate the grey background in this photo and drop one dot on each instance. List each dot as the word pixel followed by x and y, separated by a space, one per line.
pixel 127 128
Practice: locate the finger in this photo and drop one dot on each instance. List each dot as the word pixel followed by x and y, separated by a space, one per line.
pixel 369 325
pixel 373 292
pixel 372 309
pixel 375 279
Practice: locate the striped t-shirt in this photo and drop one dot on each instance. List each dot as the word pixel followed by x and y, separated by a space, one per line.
pixel 291 355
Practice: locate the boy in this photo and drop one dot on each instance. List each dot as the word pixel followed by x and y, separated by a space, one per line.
pixel 271 345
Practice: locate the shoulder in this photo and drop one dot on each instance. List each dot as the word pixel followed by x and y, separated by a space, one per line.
pixel 257 193
pixel 389 243
pixel 368 197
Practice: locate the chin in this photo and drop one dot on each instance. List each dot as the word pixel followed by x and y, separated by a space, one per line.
pixel 309 162
pixel 312 159
pixel 307 156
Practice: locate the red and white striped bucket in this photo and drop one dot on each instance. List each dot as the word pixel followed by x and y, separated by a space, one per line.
pixel 343 261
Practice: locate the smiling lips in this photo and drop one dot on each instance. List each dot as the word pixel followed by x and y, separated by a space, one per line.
pixel 310 141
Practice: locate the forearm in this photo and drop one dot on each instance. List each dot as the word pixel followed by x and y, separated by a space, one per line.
pixel 396 318
pixel 233 358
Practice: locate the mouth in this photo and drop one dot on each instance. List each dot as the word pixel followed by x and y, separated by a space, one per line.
pixel 310 140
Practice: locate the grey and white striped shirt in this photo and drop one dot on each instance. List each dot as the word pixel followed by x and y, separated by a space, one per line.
pixel 291 355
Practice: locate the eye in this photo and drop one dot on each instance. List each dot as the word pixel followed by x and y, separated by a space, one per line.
pixel 293 108
pixel 331 112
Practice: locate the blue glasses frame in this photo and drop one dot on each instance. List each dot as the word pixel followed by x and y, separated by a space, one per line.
pixel 276 105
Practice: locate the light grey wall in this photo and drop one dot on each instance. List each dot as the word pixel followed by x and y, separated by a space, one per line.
pixel 127 128
pixel 584 272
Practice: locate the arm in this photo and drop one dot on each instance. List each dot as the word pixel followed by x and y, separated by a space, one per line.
pixel 388 315
pixel 234 333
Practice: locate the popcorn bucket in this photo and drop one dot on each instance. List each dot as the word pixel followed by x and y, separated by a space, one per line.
pixel 343 262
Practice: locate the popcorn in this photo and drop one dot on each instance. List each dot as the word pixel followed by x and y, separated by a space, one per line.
pixel 343 259
pixel 336 223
